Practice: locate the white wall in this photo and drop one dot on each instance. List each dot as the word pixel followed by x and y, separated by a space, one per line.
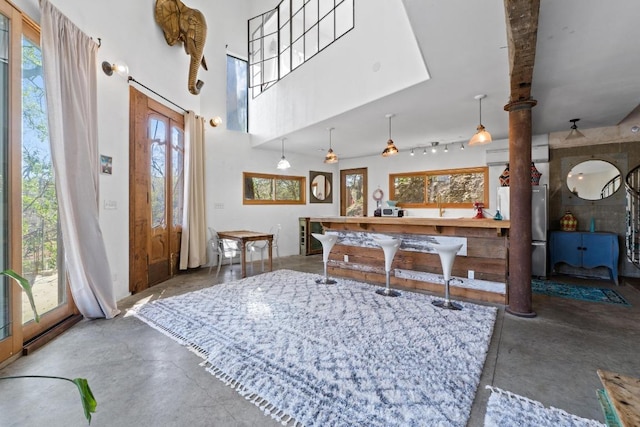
pixel 378 57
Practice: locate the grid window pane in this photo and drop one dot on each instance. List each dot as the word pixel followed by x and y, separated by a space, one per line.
pixel 255 28
pixel 285 37
pixel 344 17
pixel 325 6
pixel 284 12
pixel 285 63
pixel 310 14
pixel 326 31
pixel 311 43
pixel 297 54
pixel 297 25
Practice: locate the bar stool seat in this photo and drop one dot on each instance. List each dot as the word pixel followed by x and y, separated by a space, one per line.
pixel 390 247
pixel 327 240
pixel 447 255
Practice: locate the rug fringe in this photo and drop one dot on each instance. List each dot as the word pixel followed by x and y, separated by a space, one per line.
pixel 265 406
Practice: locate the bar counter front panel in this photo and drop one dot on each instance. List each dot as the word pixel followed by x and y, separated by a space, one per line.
pixel 416 265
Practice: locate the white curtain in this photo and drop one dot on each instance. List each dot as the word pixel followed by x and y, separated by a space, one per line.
pixel 193 247
pixel 69 60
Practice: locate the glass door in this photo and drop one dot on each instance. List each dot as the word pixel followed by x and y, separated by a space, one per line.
pixel 10 30
pixel 42 252
pixel 353 192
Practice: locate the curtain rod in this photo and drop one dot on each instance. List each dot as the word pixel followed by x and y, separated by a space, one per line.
pixel 131 79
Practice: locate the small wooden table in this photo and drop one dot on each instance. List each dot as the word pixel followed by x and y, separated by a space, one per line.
pixel 243 237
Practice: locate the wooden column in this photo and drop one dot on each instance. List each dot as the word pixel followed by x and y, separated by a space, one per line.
pixel 519 289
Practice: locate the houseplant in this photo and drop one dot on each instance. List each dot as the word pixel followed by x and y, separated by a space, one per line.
pixel 86 396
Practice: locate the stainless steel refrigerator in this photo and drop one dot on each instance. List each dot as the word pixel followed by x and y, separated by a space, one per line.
pixel 539 225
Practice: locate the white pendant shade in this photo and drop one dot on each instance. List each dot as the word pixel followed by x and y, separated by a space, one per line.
pixel 481 136
pixel 283 163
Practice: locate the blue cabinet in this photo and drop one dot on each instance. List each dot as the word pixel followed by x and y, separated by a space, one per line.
pixel 585 250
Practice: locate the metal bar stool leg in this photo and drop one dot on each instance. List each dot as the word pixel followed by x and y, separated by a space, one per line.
pixel 390 247
pixel 327 240
pixel 447 255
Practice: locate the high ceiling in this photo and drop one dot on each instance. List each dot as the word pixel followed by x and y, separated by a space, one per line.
pixel 587 66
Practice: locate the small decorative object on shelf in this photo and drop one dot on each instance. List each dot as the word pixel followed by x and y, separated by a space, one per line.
pixel 477 207
pixel 504 178
pixel 568 222
pixel 498 216
pixel 535 175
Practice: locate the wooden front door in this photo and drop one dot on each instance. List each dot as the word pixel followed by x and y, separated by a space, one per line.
pixel 155 191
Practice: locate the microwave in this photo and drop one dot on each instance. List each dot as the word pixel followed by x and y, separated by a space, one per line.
pixel 392 212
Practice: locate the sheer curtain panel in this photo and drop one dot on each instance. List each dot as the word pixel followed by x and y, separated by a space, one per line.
pixel 69 61
pixel 193 246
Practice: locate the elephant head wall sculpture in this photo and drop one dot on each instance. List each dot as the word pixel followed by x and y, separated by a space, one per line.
pixel 181 23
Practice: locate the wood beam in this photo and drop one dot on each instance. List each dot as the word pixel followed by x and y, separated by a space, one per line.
pixel 522 34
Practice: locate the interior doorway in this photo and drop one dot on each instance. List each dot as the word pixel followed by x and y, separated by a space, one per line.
pixel 156 181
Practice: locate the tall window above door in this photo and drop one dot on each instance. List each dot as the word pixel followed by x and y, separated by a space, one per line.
pixel 237 96
pixel 282 39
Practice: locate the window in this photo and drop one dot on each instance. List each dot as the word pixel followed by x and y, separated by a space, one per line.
pixel 282 39
pixel 265 189
pixel 454 188
pixel 237 117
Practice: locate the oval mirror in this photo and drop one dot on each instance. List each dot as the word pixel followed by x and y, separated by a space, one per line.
pixel 320 187
pixel 594 180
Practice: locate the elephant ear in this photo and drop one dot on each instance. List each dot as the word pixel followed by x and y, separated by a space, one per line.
pixel 167 15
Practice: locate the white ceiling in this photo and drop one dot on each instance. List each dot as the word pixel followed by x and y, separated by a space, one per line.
pixel 587 66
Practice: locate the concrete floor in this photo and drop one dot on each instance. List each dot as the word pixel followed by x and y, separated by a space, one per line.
pixel 142 378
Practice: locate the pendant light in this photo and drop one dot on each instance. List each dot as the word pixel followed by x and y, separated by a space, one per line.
pixel 481 136
pixel 574 133
pixel 391 147
pixel 283 163
pixel 331 156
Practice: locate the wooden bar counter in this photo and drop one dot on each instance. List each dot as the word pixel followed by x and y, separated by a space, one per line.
pixel 481 265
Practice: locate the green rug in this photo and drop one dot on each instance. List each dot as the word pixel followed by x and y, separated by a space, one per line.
pixel 583 293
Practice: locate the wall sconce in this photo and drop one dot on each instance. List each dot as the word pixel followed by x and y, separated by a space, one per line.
pixel 119 67
pixel 215 121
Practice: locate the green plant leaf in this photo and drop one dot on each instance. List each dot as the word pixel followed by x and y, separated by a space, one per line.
pixel 26 287
pixel 88 401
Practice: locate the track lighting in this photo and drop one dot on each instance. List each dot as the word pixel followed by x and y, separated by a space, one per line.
pixel 434 146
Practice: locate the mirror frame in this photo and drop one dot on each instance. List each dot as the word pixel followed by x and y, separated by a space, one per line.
pixel 576 194
pixel 328 176
pixel 567 162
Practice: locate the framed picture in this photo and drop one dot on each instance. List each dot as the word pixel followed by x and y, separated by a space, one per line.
pixel 106 165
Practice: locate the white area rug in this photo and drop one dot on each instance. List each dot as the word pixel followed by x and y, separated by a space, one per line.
pixel 333 355
pixel 506 409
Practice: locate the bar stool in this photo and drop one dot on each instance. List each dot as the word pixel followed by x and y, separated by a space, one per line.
pixel 327 240
pixel 390 247
pixel 447 255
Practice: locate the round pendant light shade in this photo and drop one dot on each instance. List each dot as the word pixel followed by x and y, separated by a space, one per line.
pixel 482 136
